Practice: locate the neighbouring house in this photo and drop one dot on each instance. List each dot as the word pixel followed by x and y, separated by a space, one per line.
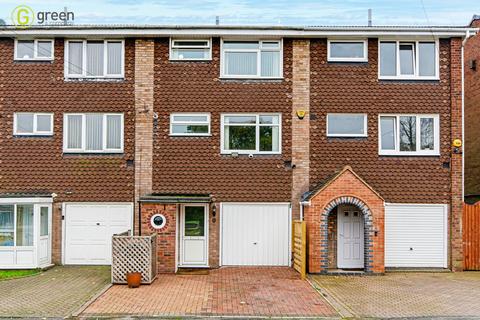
pixel 472 115
pixel 217 137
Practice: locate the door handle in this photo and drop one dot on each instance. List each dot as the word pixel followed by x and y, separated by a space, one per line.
pixel 255 243
pixel 98 223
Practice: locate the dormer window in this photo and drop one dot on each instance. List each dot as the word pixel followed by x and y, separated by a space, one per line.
pixel 34 50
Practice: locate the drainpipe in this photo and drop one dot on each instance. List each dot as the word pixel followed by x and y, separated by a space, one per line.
pixel 303 203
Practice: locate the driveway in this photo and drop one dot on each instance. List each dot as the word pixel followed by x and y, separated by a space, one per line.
pixel 405 295
pixel 223 292
pixel 57 292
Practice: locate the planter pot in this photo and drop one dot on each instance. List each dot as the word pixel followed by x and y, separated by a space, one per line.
pixel 134 279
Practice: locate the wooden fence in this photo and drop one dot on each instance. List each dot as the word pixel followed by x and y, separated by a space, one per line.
pixel 299 247
pixel 134 254
pixel 471 236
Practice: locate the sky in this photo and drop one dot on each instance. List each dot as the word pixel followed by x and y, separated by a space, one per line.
pixel 257 12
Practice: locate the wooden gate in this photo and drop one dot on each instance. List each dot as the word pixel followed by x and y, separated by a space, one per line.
pixel 471 236
pixel 299 247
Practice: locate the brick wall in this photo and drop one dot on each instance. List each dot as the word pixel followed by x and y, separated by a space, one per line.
pixel 472 115
pixel 456 205
pixel 144 50
pixel 300 127
pixel 166 237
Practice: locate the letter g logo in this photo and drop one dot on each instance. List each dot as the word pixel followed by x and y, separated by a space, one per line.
pixel 23 16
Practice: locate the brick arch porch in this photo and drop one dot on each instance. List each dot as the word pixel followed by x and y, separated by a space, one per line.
pixel 344 187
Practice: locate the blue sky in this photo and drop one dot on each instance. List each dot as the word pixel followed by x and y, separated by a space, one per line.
pixel 256 12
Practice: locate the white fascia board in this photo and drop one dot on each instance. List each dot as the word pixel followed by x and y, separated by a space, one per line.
pixel 233 32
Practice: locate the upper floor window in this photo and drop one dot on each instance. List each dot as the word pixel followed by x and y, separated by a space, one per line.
pixel 251 133
pixel 33 124
pixel 348 50
pixel 409 60
pixel 181 49
pixel 346 125
pixel 94 59
pixel 93 132
pixel 38 49
pixel 409 135
pixel 190 124
pixel 252 59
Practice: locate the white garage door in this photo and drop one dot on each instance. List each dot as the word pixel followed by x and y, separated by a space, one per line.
pixel 89 230
pixel 255 234
pixel 415 235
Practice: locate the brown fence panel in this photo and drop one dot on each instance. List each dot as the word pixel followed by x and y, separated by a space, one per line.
pixel 471 236
pixel 299 247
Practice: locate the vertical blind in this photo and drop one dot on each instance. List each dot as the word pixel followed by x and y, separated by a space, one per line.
pixel 74 133
pixel 95 58
pixel 114 132
pixel 114 57
pixel 241 63
pixel 94 132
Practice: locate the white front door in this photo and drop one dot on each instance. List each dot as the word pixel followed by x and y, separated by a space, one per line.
pixel 44 243
pixel 350 253
pixel 194 235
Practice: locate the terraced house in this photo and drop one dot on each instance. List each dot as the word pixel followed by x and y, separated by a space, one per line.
pixel 217 137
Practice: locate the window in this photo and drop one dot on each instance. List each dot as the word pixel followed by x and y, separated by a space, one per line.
pixel 408 60
pixel 16 225
pixel 93 133
pixel 348 50
pixel 38 49
pixel 190 49
pixel 94 59
pixel 190 124
pixel 33 124
pixel 409 135
pixel 44 221
pixel 251 59
pixel 346 125
pixel 251 133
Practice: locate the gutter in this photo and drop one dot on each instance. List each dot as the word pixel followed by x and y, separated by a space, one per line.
pixel 303 203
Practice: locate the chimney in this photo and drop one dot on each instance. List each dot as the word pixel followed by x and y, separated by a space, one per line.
pixel 217 20
pixel 369 17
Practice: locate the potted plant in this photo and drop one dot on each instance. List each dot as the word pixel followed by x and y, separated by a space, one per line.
pixel 134 279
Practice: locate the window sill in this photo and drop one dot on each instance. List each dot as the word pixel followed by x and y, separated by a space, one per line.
pixel 47 135
pixel 251 78
pixel 409 78
pixel 190 60
pixel 34 60
pixel 99 79
pixel 80 153
pixel 234 153
pixel 189 135
pixel 399 154
pixel 339 61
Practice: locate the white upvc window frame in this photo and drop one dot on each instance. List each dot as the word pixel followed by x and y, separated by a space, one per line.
pixel 419 152
pixel 257 132
pixel 35 132
pixel 349 135
pixel 416 68
pixel 35 50
pixel 207 123
pixel 84 133
pixel 84 60
pixel 348 59
pixel 259 61
pixel 172 47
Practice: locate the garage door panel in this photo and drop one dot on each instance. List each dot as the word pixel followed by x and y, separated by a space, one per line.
pixel 89 230
pixel 415 235
pixel 255 234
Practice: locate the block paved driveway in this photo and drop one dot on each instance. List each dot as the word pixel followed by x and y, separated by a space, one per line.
pixel 404 295
pixel 57 292
pixel 224 292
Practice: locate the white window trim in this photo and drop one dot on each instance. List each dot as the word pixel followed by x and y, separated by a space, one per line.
pixel 353 135
pixel 415 65
pixel 171 47
pixel 35 50
pixel 35 131
pixel 257 133
pixel 259 64
pixel 397 152
pixel 84 134
pixel 172 123
pixel 84 60
pixel 347 59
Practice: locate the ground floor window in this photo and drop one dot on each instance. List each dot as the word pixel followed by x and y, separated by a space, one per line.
pixel 17 225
